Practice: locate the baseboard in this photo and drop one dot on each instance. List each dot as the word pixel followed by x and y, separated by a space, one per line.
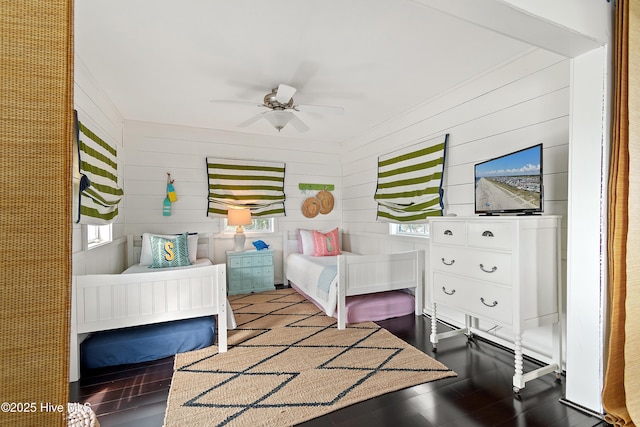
pixel 581 408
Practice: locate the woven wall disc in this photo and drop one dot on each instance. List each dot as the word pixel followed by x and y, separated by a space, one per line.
pixel 311 207
pixel 326 198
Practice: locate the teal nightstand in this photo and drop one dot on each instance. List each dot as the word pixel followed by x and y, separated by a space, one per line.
pixel 250 271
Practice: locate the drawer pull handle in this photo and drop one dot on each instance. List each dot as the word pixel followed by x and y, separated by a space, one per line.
pixel 488 271
pixel 493 304
pixel 448 233
pixel 448 263
pixel 453 291
pixel 487 234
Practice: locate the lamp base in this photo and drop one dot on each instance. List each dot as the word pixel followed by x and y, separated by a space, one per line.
pixel 238 241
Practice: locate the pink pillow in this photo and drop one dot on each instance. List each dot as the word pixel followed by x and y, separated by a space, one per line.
pixel 326 244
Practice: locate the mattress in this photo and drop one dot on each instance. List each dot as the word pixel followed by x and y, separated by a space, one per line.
pixel 148 342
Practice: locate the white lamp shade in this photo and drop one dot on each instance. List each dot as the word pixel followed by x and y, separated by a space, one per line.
pixel 279 119
pixel 238 217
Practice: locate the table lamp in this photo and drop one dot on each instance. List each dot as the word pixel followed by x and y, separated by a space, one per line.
pixel 239 217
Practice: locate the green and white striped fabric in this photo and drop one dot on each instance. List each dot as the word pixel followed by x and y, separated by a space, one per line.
pixel 256 185
pixel 410 182
pixel 99 191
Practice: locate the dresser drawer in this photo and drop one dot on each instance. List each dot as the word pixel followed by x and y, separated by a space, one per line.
pixel 476 264
pixel 448 232
pixel 489 266
pixel 479 299
pixel 490 235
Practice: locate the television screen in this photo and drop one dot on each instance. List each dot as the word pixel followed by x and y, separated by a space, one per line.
pixel 511 183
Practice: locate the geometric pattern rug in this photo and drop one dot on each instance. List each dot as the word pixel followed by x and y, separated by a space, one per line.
pixel 288 363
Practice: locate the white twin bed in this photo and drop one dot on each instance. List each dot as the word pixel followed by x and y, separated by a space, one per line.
pixel 144 296
pixel 329 280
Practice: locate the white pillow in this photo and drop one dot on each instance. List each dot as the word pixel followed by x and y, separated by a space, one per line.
pixel 305 241
pixel 146 257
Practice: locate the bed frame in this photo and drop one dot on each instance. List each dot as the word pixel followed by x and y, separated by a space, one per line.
pixel 110 301
pixel 366 274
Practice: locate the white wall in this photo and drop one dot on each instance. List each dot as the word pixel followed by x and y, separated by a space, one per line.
pixel 99 114
pixel 152 150
pixel 519 104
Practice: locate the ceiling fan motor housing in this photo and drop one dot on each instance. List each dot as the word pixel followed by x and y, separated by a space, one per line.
pixel 271 101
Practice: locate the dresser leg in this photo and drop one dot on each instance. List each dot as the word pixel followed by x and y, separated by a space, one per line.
pixel 434 327
pixel 518 380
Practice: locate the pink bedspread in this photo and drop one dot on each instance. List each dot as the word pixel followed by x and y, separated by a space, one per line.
pixel 373 307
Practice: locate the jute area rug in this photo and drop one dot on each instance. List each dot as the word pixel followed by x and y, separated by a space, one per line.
pixel 288 363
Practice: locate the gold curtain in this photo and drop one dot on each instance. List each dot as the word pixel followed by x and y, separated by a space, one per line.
pixel 620 396
pixel 36 104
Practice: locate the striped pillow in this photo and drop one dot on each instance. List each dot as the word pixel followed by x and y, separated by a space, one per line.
pixel 167 252
pixel 326 244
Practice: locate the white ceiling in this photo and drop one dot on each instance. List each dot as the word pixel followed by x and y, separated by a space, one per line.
pixel 165 60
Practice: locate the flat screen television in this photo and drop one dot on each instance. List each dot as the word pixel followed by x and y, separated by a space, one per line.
pixel 511 183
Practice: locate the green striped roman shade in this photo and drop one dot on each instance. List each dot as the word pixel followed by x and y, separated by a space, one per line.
pixel 99 191
pixel 410 182
pixel 256 185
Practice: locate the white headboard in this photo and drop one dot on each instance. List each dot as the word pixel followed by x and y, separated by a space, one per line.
pixel 134 247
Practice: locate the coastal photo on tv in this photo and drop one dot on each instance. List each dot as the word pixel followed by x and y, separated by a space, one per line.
pixel 511 183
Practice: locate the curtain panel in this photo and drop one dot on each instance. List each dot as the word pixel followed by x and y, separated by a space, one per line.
pixel 256 185
pixel 98 187
pixel 620 398
pixel 409 185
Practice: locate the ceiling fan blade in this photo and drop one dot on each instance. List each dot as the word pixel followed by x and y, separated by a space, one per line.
pixel 284 93
pixel 252 120
pixel 298 124
pixel 245 103
pixel 319 109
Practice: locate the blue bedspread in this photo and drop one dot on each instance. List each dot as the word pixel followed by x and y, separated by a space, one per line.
pixel 145 343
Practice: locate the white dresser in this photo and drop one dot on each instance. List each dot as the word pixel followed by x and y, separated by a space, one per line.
pixel 504 270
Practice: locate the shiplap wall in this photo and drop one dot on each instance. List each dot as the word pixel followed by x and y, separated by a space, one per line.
pixel 519 104
pixel 152 150
pixel 98 113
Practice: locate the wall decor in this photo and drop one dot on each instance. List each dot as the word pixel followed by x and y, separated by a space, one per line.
pixel 315 187
pixel 311 207
pixel 326 201
pixel 171 192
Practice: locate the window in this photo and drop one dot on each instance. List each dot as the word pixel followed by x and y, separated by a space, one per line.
pixel 258 225
pixel 98 235
pixel 418 230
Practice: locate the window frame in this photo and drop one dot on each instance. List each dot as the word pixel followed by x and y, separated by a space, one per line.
pixel 231 229
pixel 103 235
pixel 394 230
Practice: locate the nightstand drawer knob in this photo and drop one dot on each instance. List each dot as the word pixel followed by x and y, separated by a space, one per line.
pixel 493 304
pixel 449 263
pixel 448 233
pixel 487 234
pixel 493 269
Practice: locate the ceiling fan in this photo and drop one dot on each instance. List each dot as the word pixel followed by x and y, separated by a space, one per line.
pixel 279 103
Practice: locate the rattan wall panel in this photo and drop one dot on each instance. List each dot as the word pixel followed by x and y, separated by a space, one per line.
pixel 36 102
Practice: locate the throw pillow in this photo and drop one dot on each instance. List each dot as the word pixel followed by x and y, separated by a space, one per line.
pixel 167 252
pixel 326 244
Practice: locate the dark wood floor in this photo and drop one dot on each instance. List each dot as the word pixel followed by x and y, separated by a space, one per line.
pixel 136 395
